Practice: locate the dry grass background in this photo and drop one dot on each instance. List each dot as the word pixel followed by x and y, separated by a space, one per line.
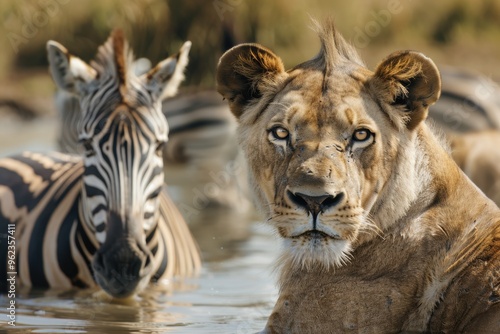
pixel 461 33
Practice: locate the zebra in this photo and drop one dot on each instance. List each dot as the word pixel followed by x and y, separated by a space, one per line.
pixel 469 103
pixel 202 133
pixel 201 125
pixel 102 219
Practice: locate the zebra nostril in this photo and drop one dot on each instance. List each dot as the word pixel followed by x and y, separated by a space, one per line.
pixel 315 204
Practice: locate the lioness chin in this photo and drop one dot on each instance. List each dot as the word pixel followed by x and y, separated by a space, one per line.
pixel 383 233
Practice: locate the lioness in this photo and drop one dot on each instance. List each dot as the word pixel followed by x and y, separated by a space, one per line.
pixel 383 233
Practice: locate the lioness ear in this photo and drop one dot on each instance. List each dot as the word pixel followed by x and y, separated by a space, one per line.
pixel 411 81
pixel 70 73
pixel 245 72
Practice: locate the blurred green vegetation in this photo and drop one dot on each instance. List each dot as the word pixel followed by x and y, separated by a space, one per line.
pixel 462 33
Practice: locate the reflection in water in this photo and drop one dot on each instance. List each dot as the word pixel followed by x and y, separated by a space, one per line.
pixel 80 312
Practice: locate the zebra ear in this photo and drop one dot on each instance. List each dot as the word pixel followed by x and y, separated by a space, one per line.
pixel 164 79
pixel 70 73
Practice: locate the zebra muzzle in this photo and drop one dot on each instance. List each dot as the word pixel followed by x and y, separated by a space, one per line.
pixel 123 264
pixel 123 269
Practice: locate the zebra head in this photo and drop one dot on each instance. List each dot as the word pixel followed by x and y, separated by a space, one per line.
pixel 122 133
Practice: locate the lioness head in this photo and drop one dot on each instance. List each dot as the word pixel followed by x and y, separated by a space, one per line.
pixel 325 139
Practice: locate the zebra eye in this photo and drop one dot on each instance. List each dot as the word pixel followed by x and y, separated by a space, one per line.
pixel 89 148
pixel 155 193
pixel 159 149
pixel 279 133
pixel 361 135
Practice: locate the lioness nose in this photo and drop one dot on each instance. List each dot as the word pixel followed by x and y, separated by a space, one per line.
pixel 316 204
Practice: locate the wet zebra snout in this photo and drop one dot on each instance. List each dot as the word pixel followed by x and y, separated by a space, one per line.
pixel 123 264
pixel 122 270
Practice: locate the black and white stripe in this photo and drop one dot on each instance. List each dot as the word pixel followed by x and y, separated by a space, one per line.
pixel 201 125
pixel 103 218
pixel 468 103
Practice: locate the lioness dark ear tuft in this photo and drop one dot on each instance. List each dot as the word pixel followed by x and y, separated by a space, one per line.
pixel 245 72
pixel 412 80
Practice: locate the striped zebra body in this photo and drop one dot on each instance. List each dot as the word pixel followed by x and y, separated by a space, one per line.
pixel 41 195
pixel 468 103
pixel 201 127
pixel 102 218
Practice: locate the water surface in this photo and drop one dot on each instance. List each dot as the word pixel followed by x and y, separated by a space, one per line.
pixel 234 293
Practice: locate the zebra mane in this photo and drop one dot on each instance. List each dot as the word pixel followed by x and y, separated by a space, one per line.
pixel 114 59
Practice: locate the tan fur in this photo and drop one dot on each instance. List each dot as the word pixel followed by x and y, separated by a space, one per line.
pixel 380 236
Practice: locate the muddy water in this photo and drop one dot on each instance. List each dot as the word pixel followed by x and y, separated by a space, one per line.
pixel 234 293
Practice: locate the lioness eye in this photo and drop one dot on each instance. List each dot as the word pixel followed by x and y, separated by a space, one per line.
pixel 361 135
pixel 280 133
